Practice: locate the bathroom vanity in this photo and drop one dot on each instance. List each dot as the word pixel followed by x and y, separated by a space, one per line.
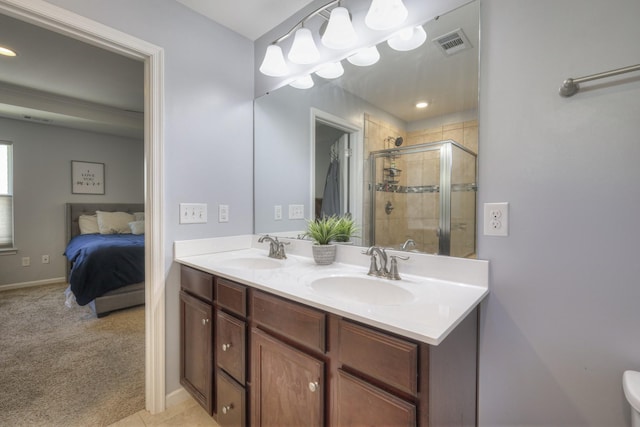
pixel 286 342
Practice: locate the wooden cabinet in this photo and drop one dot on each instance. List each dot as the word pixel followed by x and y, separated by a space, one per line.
pixel 253 358
pixel 287 385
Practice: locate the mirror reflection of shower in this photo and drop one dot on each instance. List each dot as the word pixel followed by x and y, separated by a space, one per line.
pixel 423 197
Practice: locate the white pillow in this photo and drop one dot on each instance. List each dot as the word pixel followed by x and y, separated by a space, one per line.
pixel 114 222
pixel 137 227
pixel 88 224
pixel 138 216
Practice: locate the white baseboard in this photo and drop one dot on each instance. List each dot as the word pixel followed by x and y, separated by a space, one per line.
pixel 176 397
pixel 31 284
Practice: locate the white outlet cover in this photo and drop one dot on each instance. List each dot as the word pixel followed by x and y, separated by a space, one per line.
pixel 496 219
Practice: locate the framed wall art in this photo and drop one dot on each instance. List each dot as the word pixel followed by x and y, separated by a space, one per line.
pixel 87 177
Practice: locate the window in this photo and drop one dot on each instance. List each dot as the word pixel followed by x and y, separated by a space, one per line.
pixel 6 196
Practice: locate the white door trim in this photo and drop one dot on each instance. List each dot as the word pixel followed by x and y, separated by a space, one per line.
pixel 54 18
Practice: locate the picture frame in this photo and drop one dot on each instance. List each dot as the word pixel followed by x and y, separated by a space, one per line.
pixel 87 177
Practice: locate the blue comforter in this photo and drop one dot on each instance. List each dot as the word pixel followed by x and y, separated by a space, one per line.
pixel 104 262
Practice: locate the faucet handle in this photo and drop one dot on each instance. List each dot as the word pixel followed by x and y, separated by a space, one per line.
pixel 373 267
pixel 393 270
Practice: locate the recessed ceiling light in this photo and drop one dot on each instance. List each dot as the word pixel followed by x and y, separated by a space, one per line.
pixel 5 51
pixel 422 104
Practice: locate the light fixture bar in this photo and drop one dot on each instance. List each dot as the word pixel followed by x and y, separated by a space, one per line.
pixel 305 19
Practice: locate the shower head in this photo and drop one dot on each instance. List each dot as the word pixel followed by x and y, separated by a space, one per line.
pixel 395 141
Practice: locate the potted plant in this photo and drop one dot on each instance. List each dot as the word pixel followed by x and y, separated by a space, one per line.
pixel 323 231
pixel 345 228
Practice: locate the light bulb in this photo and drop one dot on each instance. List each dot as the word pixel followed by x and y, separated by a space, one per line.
pixel 332 70
pixel 385 14
pixel 303 50
pixel 273 63
pixel 305 82
pixel 339 33
pixel 408 38
pixel 365 57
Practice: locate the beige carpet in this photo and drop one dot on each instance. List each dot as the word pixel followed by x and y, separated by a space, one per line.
pixel 62 366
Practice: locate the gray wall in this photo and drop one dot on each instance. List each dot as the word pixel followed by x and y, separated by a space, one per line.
pixel 208 125
pixel 42 157
pixel 562 319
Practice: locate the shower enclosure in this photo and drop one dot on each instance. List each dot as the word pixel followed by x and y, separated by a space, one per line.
pixel 423 197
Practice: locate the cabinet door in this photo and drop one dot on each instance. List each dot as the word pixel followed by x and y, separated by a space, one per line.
pixel 196 362
pixel 358 403
pixel 287 385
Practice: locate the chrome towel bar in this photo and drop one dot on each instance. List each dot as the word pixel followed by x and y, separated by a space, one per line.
pixel 571 87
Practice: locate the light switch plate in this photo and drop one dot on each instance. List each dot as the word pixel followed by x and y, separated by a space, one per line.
pixel 193 213
pixel 296 211
pixel 223 213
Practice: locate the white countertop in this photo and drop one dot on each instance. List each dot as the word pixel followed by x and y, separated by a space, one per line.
pixel 436 306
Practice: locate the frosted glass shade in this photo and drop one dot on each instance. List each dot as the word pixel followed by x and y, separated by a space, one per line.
pixel 365 57
pixel 273 63
pixel 408 39
pixel 305 82
pixel 303 50
pixel 385 14
pixel 339 33
pixel 332 70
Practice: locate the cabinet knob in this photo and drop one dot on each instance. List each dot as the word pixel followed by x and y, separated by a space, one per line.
pixel 205 321
pixel 226 347
pixel 313 386
pixel 227 408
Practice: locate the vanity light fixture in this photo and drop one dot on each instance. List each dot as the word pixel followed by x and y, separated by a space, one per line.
pixel 332 70
pixel 305 82
pixel 386 14
pixel 339 33
pixel 408 38
pixel 422 104
pixel 273 63
pixel 5 51
pixel 303 50
pixel 365 57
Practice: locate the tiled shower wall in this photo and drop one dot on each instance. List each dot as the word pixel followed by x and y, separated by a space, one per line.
pixel 415 216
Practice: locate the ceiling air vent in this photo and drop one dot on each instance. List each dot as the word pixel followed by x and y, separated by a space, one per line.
pixel 37 119
pixel 453 42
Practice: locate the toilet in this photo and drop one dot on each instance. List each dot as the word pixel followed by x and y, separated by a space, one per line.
pixel 631 387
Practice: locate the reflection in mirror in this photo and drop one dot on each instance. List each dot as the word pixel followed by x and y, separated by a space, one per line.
pixel 406 174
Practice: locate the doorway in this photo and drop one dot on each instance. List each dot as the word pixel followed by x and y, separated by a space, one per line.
pixel 64 22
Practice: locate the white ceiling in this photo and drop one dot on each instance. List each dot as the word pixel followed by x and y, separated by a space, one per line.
pixel 251 18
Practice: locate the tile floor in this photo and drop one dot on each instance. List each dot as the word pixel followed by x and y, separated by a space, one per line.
pixel 188 413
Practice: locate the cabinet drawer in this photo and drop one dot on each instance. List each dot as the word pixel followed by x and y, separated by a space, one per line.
pixel 197 283
pixel 360 403
pixel 232 296
pixel 392 360
pixel 230 345
pixel 231 407
pixel 302 324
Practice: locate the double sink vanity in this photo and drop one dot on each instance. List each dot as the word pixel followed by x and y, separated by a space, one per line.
pixel 279 342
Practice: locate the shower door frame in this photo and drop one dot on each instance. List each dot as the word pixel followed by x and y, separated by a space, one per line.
pixel 444 186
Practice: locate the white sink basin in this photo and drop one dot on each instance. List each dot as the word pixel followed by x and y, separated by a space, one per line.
pixel 253 263
pixel 364 290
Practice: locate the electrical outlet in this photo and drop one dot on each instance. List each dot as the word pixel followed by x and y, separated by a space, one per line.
pixel 296 211
pixel 277 212
pixel 26 261
pixel 223 213
pixel 496 219
pixel 193 213
pixel 45 259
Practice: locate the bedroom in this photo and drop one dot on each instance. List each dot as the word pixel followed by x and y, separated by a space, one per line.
pixel 45 143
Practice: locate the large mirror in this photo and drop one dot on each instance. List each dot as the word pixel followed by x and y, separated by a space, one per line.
pixel 358 145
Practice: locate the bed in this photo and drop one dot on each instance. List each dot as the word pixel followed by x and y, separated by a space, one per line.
pixel 105 284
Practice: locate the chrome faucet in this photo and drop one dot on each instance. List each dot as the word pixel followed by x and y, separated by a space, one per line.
pixel 381 271
pixel 409 242
pixel 276 247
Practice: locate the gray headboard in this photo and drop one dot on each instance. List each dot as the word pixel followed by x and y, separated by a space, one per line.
pixel 74 210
